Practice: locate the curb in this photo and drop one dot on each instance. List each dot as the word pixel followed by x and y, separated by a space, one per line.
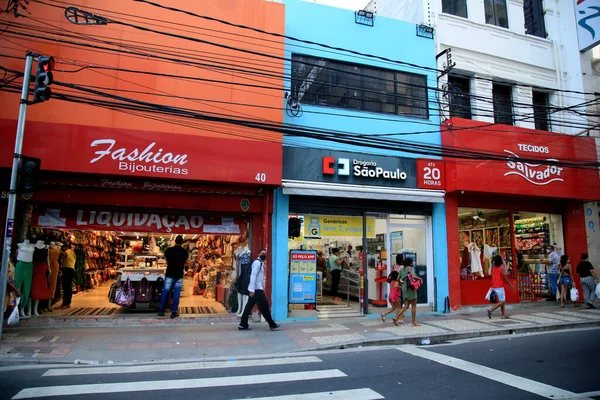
pixel 447 337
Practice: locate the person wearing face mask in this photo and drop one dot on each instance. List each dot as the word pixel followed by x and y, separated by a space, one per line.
pixel 257 294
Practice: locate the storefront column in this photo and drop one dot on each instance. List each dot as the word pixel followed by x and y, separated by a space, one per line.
pixel 453 241
pixel 279 256
pixel 575 236
pixel 440 255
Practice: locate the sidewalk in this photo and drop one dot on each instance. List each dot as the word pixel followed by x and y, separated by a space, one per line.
pixel 193 339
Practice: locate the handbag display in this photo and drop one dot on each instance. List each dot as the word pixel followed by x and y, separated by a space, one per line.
pixel 125 294
pixel 112 292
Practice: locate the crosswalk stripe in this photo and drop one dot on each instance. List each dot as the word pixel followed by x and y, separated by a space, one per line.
pixel 354 394
pixel 180 367
pixel 49 391
pixel 528 385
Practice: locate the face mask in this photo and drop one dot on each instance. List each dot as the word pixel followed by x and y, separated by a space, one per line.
pixel 263 257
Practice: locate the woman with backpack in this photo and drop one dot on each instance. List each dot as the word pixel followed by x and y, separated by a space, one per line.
pixel 410 284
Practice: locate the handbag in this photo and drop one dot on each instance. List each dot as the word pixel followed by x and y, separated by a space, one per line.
pixel 112 292
pixel 413 282
pixel 144 292
pixel 493 296
pixel 125 294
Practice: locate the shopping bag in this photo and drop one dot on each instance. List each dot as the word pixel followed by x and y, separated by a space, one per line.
pixel 13 318
pixel 598 290
pixel 491 296
pixel 574 294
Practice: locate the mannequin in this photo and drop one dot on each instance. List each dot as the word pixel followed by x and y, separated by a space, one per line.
pixel 24 276
pixel 39 285
pixel 242 298
pixel 53 254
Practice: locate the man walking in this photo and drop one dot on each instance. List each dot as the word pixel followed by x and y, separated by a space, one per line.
pixel 589 278
pixel 176 257
pixel 257 294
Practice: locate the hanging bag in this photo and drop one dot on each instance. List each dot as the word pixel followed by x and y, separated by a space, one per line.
pixel 413 282
pixel 125 295
pixel 144 292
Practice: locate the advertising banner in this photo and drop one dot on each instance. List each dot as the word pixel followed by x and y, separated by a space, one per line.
pixel 337 226
pixel 587 13
pixel 110 220
pixel 303 277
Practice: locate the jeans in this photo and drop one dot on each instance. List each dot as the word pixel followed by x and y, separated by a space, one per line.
pixel 552 278
pixel 67 283
pixel 165 294
pixel 261 301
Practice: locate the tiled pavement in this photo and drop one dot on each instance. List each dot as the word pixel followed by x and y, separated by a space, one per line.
pixel 182 340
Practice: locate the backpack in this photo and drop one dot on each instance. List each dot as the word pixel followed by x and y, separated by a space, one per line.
pixel 243 278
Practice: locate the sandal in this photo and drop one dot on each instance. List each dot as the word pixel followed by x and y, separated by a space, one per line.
pixel 504 317
pixel 416 324
pixel 396 321
pixel 489 314
pixel 382 317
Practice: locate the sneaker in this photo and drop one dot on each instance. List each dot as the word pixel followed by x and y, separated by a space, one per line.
pixel 277 326
pixel 243 328
pixel 161 313
pixel 174 315
pixel 589 306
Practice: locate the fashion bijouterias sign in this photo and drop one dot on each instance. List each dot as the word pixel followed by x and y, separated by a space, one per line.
pixel 145 154
pixel 109 220
pixel 532 164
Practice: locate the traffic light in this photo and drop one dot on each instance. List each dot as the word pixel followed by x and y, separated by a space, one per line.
pixel 43 79
pixel 29 174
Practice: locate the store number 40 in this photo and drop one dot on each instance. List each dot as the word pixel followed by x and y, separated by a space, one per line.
pixel 261 177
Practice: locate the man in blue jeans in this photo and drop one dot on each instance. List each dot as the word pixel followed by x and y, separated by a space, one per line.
pixel 176 257
pixel 553 271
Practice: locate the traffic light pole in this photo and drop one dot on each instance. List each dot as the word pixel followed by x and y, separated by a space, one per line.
pixel 12 195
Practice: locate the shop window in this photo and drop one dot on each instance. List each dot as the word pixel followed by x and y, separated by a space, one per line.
pixel 540 111
pixel 455 7
pixel 496 13
pixel 503 107
pixel 333 83
pixel 460 97
pixel 533 11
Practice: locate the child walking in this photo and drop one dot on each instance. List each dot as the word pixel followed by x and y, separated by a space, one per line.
pixel 395 293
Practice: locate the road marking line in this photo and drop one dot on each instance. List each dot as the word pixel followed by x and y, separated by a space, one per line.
pixel 69 390
pixel 354 394
pixel 528 385
pixel 179 367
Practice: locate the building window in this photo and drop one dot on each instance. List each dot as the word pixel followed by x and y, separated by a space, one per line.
pixel 540 111
pixel 455 7
pixel 332 83
pixel 495 13
pixel 460 97
pixel 503 108
pixel 534 18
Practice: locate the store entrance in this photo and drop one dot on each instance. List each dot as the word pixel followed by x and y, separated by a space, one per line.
pixel 107 262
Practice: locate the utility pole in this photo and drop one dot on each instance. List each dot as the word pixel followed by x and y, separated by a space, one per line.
pixel 12 195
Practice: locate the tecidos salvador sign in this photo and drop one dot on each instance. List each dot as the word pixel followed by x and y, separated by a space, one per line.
pixel 536 174
pixel 316 165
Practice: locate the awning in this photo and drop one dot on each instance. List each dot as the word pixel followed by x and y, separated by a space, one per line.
pixel 305 188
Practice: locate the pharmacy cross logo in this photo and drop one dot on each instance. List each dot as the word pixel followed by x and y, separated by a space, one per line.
pixel 583 22
pixel 536 174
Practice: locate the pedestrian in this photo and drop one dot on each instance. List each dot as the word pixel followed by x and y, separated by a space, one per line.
pixel 394 296
pixel 335 265
pixel 68 274
pixel 409 295
pixel 552 271
pixel 589 278
pixel 176 257
pixel 257 294
pixel 498 280
pixel 565 279
pixel 321 262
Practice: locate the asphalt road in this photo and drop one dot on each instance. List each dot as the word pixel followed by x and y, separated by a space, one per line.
pixel 552 365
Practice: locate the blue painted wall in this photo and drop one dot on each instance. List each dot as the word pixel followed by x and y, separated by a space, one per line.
pixel 392 39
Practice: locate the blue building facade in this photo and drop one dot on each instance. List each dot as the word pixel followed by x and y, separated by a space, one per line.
pixel 360 159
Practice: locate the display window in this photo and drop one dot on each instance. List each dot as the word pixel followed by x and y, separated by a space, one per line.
pixel 390 239
pixel 524 240
pixel 108 260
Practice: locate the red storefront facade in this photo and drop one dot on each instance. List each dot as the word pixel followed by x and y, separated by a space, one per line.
pixel 513 206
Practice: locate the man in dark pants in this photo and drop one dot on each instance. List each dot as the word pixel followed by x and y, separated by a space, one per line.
pixel 257 294
pixel 176 257
pixel 68 274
